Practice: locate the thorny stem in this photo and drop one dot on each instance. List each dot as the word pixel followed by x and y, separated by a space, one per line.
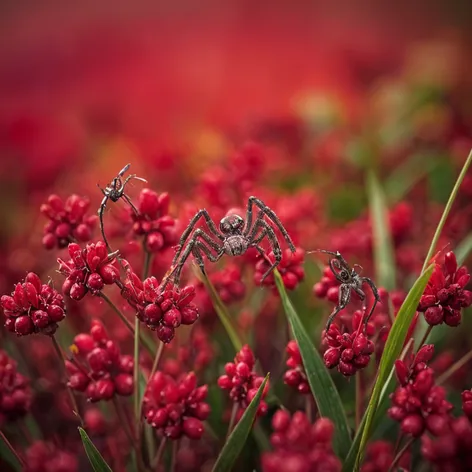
pixel 13 450
pixel 400 454
pixel 232 419
pixel 446 211
pixel 454 368
pixel 75 408
pixel 159 452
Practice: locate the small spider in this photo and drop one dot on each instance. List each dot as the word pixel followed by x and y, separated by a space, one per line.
pixel 114 191
pixel 235 237
pixel 350 280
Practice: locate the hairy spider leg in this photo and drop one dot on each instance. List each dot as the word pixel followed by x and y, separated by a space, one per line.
pixel 177 268
pixel 193 247
pixel 101 210
pixel 344 299
pixel 376 296
pixel 337 255
pixel 270 214
pixel 123 171
pixel 274 243
pixel 335 267
pixel 211 226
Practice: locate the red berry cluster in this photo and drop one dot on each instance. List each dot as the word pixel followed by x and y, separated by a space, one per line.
pixel 163 311
pixel 88 270
pixel 350 352
pixel 300 446
pixel 380 455
pixel 176 407
pixel 444 296
pixel 452 451
pixel 98 368
pixel 15 392
pixel 33 307
pixel 153 221
pixel 290 268
pixel 199 351
pixel 44 456
pixel 418 404
pixel 67 221
pixel 296 376
pixel 242 382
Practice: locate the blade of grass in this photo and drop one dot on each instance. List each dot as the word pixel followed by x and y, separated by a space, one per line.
pixel 221 311
pixel 96 460
pixel 393 347
pixel 235 443
pixel 321 384
pixel 384 258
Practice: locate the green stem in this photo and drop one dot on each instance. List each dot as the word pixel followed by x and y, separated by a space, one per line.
pixel 146 341
pixel 447 209
pixel 137 389
pixel 13 450
pixel 175 447
pixel 359 398
pixel 75 408
pixel 454 368
pixel 232 419
pixel 400 454
pixel 159 452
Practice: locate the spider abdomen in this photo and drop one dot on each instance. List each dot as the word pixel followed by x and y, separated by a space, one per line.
pixel 235 245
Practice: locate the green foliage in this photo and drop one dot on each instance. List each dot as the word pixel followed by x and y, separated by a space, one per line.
pixel 96 460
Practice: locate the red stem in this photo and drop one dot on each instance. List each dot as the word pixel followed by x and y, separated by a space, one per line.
pixel 13 450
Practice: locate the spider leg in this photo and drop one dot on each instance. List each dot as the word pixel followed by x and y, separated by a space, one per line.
pixel 101 210
pixel 211 225
pixel 177 269
pixel 130 203
pixel 193 247
pixel 123 171
pixel 335 267
pixel 270 214
pixel 274 243
pixel 375 292
pixel 344 299
pixel 133 176
pixel 337 255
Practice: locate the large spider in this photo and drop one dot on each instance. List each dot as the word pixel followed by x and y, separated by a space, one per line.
pixel 114 191
pixel 350 280
pixel 235 237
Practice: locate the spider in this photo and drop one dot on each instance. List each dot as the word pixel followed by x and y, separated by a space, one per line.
pixel 235 237
pixel 114 191
pixel 350 280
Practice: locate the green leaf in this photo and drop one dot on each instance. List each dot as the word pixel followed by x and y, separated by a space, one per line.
pixel 384 259
pixel 96 460
pixel 236 440
pixel 222 312
pixel 321 384
pixel 393 348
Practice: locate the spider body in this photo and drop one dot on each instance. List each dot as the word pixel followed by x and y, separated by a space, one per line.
pixel 114 191
pixel 350 281
pixel 234 237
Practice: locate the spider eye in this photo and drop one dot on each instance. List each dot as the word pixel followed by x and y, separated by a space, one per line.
pixel 344 275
